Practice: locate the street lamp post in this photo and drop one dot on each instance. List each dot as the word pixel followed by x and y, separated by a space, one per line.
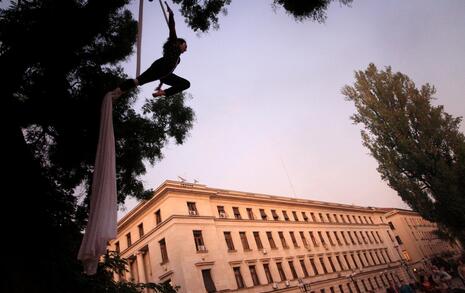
pixel 304 287
pixel 354 282
pixel 403 264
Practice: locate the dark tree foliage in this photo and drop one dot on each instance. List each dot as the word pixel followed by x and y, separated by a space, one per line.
pixel 57 60
pixel 201 15
pixel 419 147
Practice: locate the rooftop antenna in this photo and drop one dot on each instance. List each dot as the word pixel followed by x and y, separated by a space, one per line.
pixel 182 179
pixel 288 178
pixel 196 181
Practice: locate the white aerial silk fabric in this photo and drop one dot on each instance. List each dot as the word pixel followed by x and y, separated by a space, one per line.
pixel 101 227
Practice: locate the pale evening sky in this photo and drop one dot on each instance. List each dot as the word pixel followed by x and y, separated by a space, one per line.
pixel 270 117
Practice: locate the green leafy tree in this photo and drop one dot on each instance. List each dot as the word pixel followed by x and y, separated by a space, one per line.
pixel 202 15
pixel 419 147
pixel 57 60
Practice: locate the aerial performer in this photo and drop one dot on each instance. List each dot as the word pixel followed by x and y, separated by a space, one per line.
pixel 162 69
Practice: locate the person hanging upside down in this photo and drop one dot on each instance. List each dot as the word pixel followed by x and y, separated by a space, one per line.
pixel 162 69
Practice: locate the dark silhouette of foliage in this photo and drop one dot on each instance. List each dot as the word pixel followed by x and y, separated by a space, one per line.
pixel 57 60
pixel 202 15
pixel 419 147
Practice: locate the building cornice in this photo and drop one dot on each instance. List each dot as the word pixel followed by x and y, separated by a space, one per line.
pixel 177 187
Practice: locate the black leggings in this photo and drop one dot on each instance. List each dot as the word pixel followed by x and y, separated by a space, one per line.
pixel 159 70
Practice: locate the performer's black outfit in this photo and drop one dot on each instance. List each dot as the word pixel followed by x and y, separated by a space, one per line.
pixel 162 69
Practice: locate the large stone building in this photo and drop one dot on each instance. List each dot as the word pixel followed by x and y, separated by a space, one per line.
pixel 415 239
pixel 207 240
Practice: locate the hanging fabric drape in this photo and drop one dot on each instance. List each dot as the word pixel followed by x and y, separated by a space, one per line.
pixel 101 227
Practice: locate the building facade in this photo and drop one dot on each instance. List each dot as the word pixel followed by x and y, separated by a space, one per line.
pixel 415 240
pixel 214 240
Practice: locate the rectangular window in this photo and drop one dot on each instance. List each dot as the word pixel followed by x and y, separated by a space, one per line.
pixel 372 258
pixel 382 257
pixel 117 249
pixel 361 260
pixel 322 262
pixel 348 219
pixel 128 239
pixel 343 219
pixel 387 255
pixel 313 217
pixel 274 215
pixel 192 208
pixel 198 240
pixel 335 218
pixel 374 237
pixel 391 225
pixel 365 218
pixel 158 217
pixel 268 275
pixel 350 237
pixel 140 227
pixel 340 289
pixel 304 240
pixel 329 218
pixel 269 235
pixel 258 241
pixel 383 279
pixel 304 268
pixel 360 219
pixel 253 274
pixel 321 217
pixel 368 236
pixel 330 259
pixel 350 287
pixel 294 241
pixel 339 262
pixel 315 243
pixel 321 238
pixel 366 259
pixel 250 214
pixel 376 280
pixel 263 214
pixel 304 216
pixel 208 281
pixel 221 212
pixel 312 263
pixel 245 243
pixel 294 215
pixel 239 279
pixel 356 237
pixel 237 214
pixel 283 240
pixel 355 220
pixel 163 250
pixel 353 260
pixel 337 238
pixel 347 261
pixel 282 275
pixel 390 236
pixel 398 240
pixel 229 241
pixel 293 272
pixel 344 237
pixel 361 236
pixel 364 285
pixel 330 239
pixel 286 217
